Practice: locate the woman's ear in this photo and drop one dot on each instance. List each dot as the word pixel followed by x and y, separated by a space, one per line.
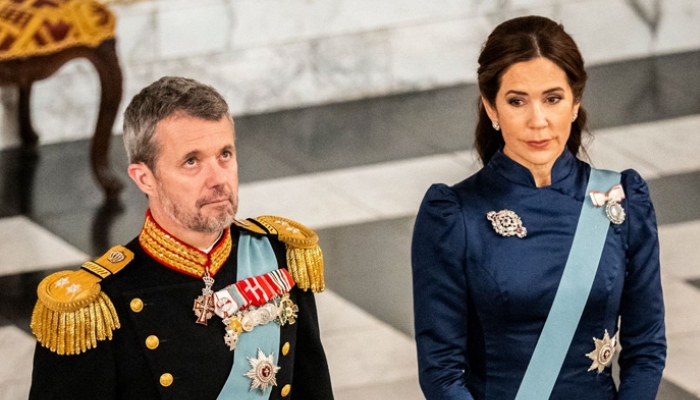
pixel 143 177
pixel 491 111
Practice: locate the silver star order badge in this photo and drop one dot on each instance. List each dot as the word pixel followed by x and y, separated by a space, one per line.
pixel 507 223
pixel 263 372
pixel 603 353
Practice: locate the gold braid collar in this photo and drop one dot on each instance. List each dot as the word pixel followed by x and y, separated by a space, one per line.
pixel 72 312
pixel 174 254
pixel 304 256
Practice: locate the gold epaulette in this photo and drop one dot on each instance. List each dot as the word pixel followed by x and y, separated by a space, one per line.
pixel 72 312
pixel 304 256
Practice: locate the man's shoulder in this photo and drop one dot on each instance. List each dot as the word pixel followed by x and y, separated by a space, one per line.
pixel 72 312
pixel 303 253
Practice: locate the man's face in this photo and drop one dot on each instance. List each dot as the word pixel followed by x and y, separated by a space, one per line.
pixel 196 175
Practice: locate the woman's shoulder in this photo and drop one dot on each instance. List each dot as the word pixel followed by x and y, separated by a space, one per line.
pixel 448 196
pixel 636 188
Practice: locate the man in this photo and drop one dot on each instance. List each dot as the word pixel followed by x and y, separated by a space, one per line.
pixel 200 305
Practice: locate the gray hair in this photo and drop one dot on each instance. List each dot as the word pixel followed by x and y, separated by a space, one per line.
pixel 162 99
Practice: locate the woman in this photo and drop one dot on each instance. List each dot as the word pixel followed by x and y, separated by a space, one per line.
pixel 489 253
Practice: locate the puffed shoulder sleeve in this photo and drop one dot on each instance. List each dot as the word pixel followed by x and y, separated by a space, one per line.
pixel 642 329
pixel 438 257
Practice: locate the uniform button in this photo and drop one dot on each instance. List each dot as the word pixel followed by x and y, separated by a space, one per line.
pixel 152 342
pixel 285 349
pixel 166 380
pixel 286 389
pixel 136 305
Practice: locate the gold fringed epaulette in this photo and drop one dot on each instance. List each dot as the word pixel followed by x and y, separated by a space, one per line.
pixel 72 312
pixel 304 256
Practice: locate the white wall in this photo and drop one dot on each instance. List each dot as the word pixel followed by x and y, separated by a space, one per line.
pixel 267 55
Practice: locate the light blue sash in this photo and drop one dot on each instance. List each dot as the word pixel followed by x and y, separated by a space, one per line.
pixel 572 294
pixel 255 257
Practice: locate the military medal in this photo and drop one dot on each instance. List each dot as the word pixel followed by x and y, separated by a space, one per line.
pixel 287 312
pixel 204 304
pixel 263 371
pixel 603 353
pixel 611 200
pixel 282 311
pixel 507 223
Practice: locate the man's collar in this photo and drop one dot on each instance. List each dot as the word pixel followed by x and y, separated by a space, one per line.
pixel 177 255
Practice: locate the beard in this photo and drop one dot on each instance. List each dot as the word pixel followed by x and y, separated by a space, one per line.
pixel 219 218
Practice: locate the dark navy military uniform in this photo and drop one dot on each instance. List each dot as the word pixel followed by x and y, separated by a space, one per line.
pixel 161 353
pixel 481 299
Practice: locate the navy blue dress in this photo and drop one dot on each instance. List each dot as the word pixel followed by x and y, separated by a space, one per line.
pixel 481 299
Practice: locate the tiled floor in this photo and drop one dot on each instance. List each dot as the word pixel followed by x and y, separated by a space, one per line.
pixel 357 172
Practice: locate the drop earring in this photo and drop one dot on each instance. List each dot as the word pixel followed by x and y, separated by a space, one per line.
pixel 495 125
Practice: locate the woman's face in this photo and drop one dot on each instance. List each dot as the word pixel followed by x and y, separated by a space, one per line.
pixel 535 108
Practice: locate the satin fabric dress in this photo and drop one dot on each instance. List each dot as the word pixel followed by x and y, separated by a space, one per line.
pixel 481 299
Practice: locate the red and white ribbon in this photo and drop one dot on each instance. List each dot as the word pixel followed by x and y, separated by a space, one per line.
pixel 616 194
pixel 253 291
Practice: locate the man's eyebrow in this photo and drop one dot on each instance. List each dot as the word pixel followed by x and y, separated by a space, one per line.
pixel 191 154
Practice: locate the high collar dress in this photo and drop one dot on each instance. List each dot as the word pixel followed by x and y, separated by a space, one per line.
pixel 481 299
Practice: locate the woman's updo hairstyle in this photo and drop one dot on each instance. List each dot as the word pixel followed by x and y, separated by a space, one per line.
pixel 523 39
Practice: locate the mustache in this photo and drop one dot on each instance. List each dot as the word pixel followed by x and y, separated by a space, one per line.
pixel 219 194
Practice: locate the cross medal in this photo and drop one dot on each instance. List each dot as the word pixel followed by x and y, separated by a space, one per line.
pixel 204 305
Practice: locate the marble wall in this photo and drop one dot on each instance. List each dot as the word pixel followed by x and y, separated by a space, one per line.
pixel 266 55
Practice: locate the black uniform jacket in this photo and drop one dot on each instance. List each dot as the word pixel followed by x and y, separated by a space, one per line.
pixel 195 355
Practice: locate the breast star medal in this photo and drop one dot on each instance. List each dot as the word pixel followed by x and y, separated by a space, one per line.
pixel 507 223
pixel 611 200
pixel 263 371
pixel 603 353
pixel 204 304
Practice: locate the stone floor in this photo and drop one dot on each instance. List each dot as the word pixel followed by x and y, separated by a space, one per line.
pixel 357 172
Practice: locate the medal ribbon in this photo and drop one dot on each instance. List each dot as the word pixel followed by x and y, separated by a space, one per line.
pixel 255 255
pixel 253 291
pixel 616 194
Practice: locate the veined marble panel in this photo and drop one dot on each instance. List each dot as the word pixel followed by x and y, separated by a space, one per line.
pixel 264 22
pixel 267 55
pixel 261 79
pixel 338 68
pixel 194 31
pixel 679 26
pixel 65 105
pixel 434 55
pixel 607 30
pixel 137 39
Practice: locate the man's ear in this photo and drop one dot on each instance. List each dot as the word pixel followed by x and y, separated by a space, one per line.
pixel 143 177
pixel 492 113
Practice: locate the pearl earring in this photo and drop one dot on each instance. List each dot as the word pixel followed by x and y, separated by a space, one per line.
pixel 495 125
pixel 574 116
